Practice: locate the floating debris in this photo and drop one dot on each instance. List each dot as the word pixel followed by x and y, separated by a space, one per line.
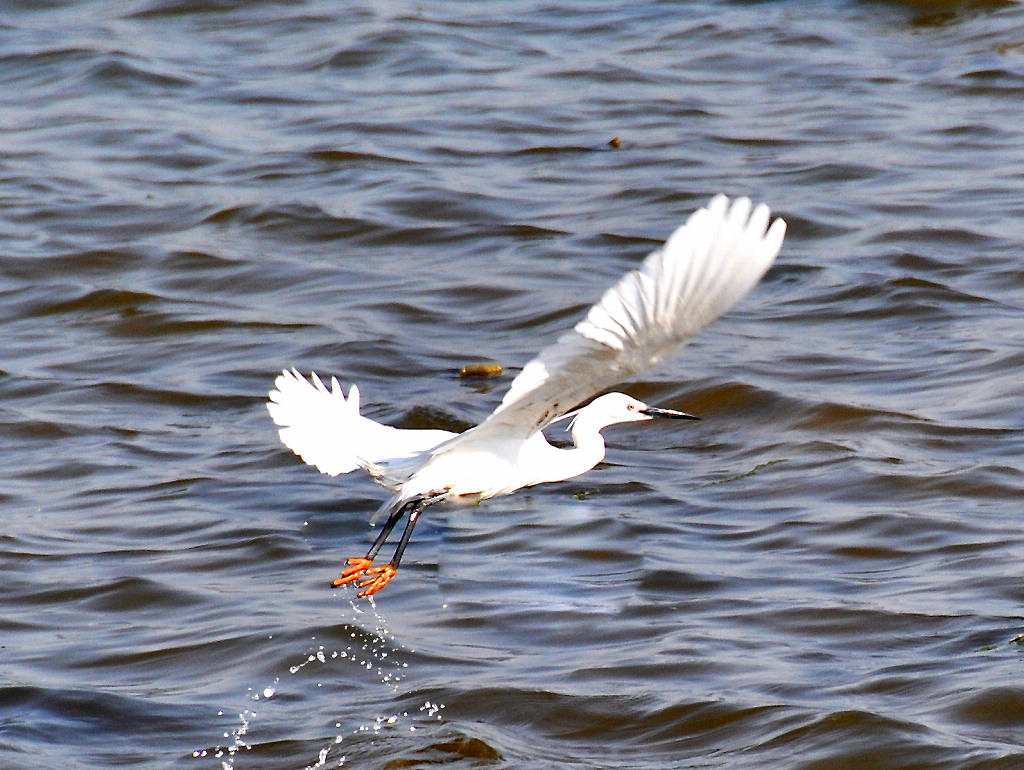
pixel 481 370
pixel 615 142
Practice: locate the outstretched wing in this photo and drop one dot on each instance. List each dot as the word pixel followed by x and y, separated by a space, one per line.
pixel 325 429
pixel 705 267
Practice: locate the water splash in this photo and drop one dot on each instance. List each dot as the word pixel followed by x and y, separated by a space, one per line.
pixel 236 736
pixel 374 650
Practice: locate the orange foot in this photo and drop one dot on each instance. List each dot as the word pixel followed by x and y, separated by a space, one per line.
pixel 381 576
pixel 356 567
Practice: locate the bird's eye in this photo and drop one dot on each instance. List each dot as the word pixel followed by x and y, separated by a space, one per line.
pixel 631 407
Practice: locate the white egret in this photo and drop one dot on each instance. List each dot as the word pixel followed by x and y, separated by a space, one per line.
pixel 706 266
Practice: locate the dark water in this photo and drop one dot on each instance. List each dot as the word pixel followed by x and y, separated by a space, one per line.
pixel 826 572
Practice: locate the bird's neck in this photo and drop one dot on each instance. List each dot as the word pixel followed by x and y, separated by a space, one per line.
pixel 540 462
pixel 588 445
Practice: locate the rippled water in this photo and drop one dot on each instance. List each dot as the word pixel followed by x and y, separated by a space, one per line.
pixel 823 573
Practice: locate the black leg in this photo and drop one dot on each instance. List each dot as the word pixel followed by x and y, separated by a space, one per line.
pixel 356 567
pixel 389 525
pixel 378 577
pixel 410 525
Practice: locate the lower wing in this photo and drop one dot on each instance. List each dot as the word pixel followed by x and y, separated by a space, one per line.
pixel 325 429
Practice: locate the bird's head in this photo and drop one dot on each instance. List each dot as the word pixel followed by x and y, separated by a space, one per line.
pixel 613 408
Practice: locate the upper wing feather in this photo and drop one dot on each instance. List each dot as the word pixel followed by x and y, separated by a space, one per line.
pixel 706 266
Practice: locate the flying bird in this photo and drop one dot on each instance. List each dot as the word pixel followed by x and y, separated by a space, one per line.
pixel 706 266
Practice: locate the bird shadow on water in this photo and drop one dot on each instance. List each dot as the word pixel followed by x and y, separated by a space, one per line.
pixel 273 725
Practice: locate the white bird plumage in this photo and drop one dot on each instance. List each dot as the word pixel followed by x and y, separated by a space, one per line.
pixel 705 267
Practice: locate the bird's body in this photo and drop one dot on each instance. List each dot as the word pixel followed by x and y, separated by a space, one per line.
pixel 479 466
pixel 705 267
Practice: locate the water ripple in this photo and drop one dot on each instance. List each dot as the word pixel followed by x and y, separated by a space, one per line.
pixel 823 572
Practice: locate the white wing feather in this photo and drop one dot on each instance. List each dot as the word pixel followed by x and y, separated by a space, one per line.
pixel 706 266
pixel 326 430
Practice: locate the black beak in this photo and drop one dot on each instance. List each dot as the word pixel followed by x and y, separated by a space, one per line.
pixel 653 411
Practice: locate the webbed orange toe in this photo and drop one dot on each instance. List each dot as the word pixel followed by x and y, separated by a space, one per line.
pixel 357 565
pixel 380 578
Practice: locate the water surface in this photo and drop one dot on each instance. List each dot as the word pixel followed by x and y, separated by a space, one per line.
pixel 825 572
